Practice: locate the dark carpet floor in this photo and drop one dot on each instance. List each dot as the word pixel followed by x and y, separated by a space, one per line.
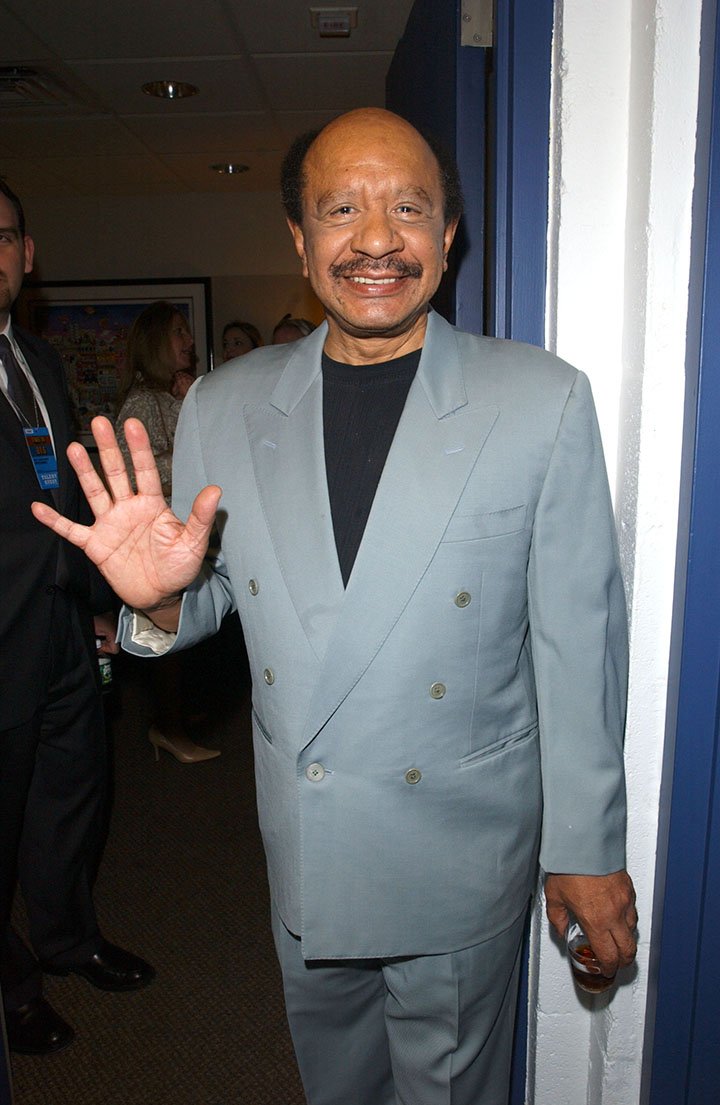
pixel 182 884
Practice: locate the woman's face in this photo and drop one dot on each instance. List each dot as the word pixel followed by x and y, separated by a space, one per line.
pixel 182 346
pixel 236 343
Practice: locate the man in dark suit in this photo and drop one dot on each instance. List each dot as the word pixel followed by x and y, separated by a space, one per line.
pixel 53 769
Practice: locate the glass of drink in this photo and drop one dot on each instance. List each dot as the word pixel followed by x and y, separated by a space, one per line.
pixel 585 967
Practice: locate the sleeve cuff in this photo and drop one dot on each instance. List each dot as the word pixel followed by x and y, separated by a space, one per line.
pixel 145 632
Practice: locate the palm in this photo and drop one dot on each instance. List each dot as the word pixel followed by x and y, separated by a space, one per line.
pixel 140 548
pixel 144 551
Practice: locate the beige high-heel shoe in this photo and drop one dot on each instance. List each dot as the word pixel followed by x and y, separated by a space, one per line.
pixel 182 748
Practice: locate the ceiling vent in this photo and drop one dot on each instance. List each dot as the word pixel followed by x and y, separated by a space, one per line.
pixel 23 87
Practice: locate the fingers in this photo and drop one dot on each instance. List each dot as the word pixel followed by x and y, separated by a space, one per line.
pixel 92 486
pixel 605 907
pixel 558 917
pixel 147 478
pixel 71 531
pixel 624 934
pixel 626 943
pixel 631 915
pixel 99 496
pixel 202 515
pixel 111 460
pixel 614 948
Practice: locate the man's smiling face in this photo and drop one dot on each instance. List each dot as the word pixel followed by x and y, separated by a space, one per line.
pixel 373 239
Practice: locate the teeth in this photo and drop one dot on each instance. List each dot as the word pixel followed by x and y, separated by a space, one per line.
pixel 373 280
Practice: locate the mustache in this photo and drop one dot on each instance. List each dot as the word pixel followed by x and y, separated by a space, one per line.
pixel 390 266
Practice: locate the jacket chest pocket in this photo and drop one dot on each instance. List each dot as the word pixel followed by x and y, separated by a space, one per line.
pixel 496 523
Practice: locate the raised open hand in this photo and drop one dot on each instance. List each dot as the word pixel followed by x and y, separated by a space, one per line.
pixel 145 552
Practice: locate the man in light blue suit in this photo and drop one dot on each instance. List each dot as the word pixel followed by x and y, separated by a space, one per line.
pixel 418 535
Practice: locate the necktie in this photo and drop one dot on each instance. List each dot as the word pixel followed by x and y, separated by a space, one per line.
pixel 18 385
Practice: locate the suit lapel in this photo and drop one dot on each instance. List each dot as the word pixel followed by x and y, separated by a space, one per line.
pixel 11 430
pixel 435 448
pixel 286 442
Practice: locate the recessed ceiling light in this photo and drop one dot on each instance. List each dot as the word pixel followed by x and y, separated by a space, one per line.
pixel 170 90
pixel 229 167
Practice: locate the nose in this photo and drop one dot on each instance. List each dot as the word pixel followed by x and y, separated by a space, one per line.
pixel 376 235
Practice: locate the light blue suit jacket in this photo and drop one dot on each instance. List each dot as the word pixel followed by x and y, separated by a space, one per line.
pixel 422 734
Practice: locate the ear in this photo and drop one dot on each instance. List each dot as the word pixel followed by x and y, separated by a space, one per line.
pixel 29 246
pixel 299 240
pixel 448 236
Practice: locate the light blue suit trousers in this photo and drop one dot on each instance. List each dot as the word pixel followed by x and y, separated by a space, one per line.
pixel 426 1030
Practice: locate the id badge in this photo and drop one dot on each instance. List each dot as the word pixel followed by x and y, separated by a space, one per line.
pixel 42 455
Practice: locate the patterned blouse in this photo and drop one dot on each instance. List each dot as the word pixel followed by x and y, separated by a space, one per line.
pixel 158 411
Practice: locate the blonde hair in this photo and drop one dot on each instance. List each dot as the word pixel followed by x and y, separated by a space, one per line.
pixel 149 360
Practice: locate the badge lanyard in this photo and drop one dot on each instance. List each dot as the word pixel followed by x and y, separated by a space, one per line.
pixel 42 454
pixel 40 447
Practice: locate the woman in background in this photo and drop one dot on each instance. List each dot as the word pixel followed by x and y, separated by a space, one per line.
pixel 239 338
pixel 160 368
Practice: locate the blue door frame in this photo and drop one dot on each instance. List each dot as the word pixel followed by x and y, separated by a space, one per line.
pixel 685 1066
pixel 520 161
pixel 491 108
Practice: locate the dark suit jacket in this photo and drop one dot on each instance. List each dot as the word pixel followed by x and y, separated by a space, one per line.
pixel 29 552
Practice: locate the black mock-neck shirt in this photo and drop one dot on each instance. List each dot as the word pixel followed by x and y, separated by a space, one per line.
pixel 362 405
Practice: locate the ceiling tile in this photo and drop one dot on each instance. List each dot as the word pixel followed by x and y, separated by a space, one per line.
pixel 284 26
pixel 220 135
pixel 31 178
pixel 293 123
pixel 114 175
pixel 17 41
pixel 57 137
pixel 264 76
pixel 263 175
pixel 339 83
pixel 225 85
pixel 131 29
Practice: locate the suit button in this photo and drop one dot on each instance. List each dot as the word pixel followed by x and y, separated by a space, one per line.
pixel 315 773
pixel 50 589
pixel 438 690
pixel 413 775
pixel 462 599
pixel 253 586
pixel 269 676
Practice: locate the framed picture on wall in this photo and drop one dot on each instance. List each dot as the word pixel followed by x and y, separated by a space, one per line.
pixel 88 322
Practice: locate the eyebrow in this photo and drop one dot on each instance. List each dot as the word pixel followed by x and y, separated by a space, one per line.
pixel 346 195
pixel 10 230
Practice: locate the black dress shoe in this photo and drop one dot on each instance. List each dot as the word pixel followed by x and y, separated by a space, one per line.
pixel 36 1029
pixel 111 968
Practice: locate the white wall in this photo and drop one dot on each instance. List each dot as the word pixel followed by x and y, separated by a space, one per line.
pixel 622 153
